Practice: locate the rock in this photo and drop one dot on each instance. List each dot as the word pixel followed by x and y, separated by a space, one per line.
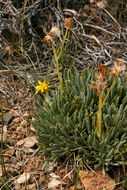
pixel 7 117
pixel 30 141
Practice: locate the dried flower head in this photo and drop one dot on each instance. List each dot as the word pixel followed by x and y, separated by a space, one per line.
pixel 103 69
pixel 50 37
pixel 55 32
pixel 8 48
pixel 98 85
pixel 118 68
pixel 100 78
pixel 42 86
pixel 69 23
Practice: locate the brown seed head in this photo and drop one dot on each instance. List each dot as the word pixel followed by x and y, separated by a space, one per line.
pixel 98 85
pixel 103 69
pixel 55 32
pixel 118 68
pixel 100 78
pixel 69 23
pixel 48 38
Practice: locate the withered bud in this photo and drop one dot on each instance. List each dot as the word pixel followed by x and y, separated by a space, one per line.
pixel 118 68
pixel 48 38
pixel 98 85
pixel 69 23
pixel 103 69
pixel 55 32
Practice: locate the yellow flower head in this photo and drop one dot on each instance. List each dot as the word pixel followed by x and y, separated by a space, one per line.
pixel 43 86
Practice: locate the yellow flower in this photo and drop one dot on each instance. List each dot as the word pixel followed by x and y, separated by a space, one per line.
pixel 43 86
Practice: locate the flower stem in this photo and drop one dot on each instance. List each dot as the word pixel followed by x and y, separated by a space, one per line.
pixel 109 91
pixel 99 116
pixel 57 66
pixel 63 43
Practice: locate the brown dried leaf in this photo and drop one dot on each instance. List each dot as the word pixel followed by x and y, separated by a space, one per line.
pixel 19 143
pixel 26 116
pixel 78 187
pixel 23 178
pixel 23 123
pixel 9 152
pixel 55 183
pixel 17 120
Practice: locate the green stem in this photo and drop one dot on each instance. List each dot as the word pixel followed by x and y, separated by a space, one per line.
pixel 4 184
pixel 76 181
pixel 57 66
pixel 114 185
pixel 67 41
pixel 109 91
pixel 99 115
pixel 61 49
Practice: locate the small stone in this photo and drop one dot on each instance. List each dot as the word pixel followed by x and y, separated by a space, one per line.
pixel 7 117
pixel 30 141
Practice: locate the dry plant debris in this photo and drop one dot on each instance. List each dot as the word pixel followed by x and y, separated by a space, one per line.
pixel 96 180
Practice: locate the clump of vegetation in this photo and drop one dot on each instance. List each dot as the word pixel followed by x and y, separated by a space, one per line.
pixel 85 119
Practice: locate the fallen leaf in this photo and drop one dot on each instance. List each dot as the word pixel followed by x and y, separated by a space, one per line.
pixel 9 152
pixel 78 187
pixel 53 175
pixel 23 178
pixel 16 120
pixel 55 183
pixel 96 180
pixel 23 123
pixel 26 115
pixel 30 187
pixel 19 143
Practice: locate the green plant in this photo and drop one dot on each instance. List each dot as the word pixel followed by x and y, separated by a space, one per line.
pixel 50 39
pixel 66 121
